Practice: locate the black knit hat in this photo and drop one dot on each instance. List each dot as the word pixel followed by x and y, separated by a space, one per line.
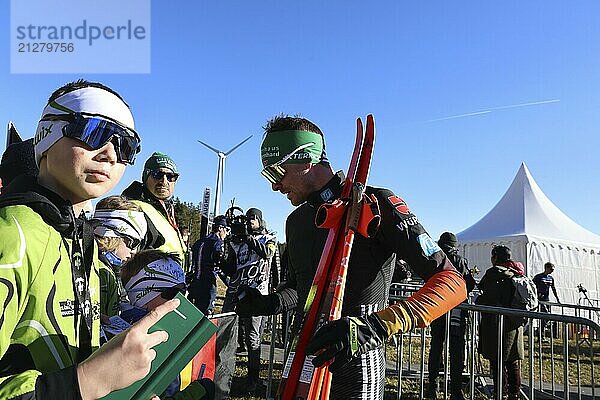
pixel 220 220
pixel 18 159
pixel 502 253
pixel 448 239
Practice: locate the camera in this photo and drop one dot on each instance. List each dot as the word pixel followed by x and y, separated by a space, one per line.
pixel 581 288
pixel 237 223
pixel 238 226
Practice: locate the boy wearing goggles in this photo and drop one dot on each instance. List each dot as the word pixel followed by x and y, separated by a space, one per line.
pixel 48 256
pixel 293 153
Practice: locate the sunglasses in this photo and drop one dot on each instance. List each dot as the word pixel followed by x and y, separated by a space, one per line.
pixel 159 175
pixel 274 173
pixel 97 130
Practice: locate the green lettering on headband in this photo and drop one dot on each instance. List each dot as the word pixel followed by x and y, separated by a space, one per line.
pixel 279 144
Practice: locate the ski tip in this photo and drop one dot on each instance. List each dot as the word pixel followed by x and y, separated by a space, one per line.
pixel 359 127
pixel 370 118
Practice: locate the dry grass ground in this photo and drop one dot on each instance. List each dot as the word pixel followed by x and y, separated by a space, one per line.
pixel 584 371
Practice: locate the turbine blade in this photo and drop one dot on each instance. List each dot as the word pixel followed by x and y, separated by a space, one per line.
pixel 210 147
pixel 238 145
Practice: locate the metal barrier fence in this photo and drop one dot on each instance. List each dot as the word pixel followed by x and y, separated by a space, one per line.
pixel 571 337
pixel 540 358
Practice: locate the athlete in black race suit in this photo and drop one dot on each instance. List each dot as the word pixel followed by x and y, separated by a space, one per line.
pixel 369 273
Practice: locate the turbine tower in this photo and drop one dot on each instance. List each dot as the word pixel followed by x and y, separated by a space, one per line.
pixel 221 170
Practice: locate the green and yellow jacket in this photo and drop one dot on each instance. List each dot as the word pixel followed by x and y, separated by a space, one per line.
pixel 168 238
pixel 43 329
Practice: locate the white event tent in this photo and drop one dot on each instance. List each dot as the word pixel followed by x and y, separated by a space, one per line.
pixel 536 231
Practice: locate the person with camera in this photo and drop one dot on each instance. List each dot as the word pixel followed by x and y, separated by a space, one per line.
pixel 209 260
pixel 254 248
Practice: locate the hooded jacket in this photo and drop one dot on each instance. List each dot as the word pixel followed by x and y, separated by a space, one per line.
pixel 498 290
pixel 43 330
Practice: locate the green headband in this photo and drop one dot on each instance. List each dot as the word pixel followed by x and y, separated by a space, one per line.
pixel 276 145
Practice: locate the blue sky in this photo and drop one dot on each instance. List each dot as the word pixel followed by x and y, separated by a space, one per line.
pixel 221 69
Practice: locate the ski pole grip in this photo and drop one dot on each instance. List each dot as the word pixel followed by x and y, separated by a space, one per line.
pixel 329 214
pixel 357 195
pixel 370 217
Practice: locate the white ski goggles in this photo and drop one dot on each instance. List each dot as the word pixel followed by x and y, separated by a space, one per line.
pixel 274 173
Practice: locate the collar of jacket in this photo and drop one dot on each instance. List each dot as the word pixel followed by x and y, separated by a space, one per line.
pixel 138 191
pixel 54 210
pixel 331 191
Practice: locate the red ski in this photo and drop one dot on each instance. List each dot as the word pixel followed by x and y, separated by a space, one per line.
pixel 352 212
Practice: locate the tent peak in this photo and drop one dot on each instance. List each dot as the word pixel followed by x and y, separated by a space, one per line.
pixel 523 170
pixel 524 209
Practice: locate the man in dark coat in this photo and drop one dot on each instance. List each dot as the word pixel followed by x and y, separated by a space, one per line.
pixel 458 323
pixel 208 257
pixel 498 290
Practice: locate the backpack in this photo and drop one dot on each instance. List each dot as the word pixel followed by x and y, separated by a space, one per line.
pixel 525 296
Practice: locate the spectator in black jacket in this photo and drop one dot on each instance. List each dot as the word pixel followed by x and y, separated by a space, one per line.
pixel 458 323
pixel 208 258
pixel 498 290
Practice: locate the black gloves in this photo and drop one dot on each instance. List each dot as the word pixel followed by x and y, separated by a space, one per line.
pixel 252 303
pixel 345 339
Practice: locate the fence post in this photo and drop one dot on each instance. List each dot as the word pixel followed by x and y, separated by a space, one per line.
pixel 422 367
pixel 472 358
pixel 565 360
pixel 552 358
pixel 531 351
pixel 272 321
pixel 399 351
pixel 446 352
pixel 592 370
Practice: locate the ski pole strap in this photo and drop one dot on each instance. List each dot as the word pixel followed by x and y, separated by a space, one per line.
pixel 441 293
pixel 281 144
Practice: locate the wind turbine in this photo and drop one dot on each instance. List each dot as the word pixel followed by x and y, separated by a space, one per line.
pixel 221 169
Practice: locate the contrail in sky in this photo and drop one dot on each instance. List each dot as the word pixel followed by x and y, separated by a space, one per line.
pixel 489 110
